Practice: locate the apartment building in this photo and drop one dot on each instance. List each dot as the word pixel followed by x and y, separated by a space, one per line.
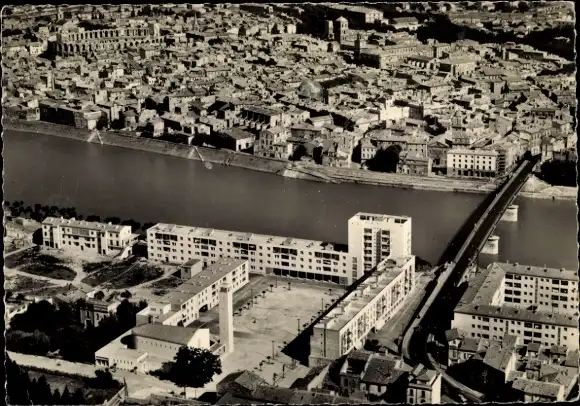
pixel 538 303
pixel 368 307
pixel 472 163
pixel 282 256
pixel 424 387
pixel 374 237
pixel 80 117
pixel 79 235
pixel 198 294
pixel 272 143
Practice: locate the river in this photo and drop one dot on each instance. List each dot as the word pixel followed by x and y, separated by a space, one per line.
pixel 111 181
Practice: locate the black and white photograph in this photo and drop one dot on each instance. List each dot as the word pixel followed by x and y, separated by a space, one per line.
pixel 298 203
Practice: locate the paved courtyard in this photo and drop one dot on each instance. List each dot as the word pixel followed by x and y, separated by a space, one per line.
pixel 263 329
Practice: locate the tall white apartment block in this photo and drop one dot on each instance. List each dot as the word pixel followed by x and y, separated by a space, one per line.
pixel 93 237
pixel 374 237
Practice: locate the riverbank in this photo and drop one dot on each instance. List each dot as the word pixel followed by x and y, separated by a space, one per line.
pixel 275 166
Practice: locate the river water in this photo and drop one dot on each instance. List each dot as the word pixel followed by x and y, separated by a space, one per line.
pixel 111 181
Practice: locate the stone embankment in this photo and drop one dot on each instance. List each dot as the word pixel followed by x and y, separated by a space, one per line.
pixel 284 168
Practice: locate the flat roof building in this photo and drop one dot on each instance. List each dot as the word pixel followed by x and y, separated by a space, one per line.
pixel 78 235
pixel 538 303
pixel 200 293
pixel 379 297
pixel 372 238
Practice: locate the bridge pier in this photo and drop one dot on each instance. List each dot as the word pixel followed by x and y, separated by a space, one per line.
pixel 491 246
pixel 511 214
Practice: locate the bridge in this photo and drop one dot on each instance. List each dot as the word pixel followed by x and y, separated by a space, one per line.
pixel 435 313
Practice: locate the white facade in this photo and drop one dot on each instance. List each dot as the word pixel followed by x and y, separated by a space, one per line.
pixel 522 301
pixel 369 306
pixel 374 237
pixel 272 143
pixel 200 293
pixel 76 235
pixel 306 259
pixel 472 163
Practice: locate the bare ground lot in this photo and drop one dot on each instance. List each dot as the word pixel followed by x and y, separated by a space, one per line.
pixel 121 274
pixel 24 284
pixel 34 261
pixel 56 381
pixel 165 285
pixel 270 322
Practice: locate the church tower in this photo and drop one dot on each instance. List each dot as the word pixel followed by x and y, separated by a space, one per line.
pixel 341 29
pixel 359 45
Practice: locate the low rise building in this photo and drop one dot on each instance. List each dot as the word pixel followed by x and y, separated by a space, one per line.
pixel 272 143
pixel 59 113
pixel 478 163
pixel 147 347
pixel 93 311
pixel 80 235
pixel 198 294
pixel 235 139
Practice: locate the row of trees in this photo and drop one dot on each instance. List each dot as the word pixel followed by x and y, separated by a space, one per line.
pixel 45 328
pixel 39 212
pixel 21 390
pixel 559 173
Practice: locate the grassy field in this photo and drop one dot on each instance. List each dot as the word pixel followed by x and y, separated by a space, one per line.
pixel 121 274
pixel 56 381
pixel 34 262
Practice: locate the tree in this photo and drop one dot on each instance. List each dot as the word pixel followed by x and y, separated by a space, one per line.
pixel 66 396
pixel 126 294
pixel 298 153
pixel 78 398
pixel 41 393
pixel 385 160
pixel 16 384
pixel 104 380
pixel 56 397
pixel 194 367
pixel 99 295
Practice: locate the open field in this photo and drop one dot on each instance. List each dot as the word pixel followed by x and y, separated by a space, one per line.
pixel 24 284
pixel 35 261
pixel 121 274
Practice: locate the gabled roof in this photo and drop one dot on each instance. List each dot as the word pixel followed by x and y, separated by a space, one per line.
pixel 245 378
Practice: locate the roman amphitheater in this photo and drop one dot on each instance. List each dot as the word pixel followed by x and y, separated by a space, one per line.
pixel 79 41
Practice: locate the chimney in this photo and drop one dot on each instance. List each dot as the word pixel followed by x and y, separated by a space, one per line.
pixel 226 318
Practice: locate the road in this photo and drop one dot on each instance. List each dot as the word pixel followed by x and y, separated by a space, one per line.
pixel 139 385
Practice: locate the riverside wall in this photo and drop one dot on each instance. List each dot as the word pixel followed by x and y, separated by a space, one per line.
pixel 269 165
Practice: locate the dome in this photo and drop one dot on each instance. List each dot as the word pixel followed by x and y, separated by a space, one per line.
pixel 310 90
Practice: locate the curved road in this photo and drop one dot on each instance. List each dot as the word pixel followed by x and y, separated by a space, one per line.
pixel 436 318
